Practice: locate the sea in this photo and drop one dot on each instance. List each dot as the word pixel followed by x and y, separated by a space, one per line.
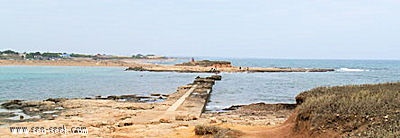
pixel 42 82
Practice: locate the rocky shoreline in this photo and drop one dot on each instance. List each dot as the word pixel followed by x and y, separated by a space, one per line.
pixel 25 111
pixel 140 116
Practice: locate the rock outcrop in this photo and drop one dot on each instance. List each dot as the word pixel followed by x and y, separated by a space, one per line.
pixel 207 63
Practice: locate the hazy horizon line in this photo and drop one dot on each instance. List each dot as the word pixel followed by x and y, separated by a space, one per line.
pixel 215 57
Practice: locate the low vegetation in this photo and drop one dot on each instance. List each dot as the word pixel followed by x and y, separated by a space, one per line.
pixel 216 132
pixel 148 56
pixel 81 55
pixel 350 111
pixel 10 54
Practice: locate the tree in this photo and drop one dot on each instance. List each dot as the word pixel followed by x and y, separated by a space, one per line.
pixel 138 56
pixel 32 55
pixel 53 55
pixel 81 55
pixel 8 52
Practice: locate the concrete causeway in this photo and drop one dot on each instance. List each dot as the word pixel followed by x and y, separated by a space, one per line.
pixel 192 103
pixel 182 99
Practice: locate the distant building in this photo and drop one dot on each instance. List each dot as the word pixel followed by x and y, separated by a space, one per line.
pixel 65 55
pixel 11 56
pixel 39 57
pixel 103 56
pixel 154 57
pixel 22 55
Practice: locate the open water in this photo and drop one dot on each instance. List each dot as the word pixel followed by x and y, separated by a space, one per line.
pixel 42 82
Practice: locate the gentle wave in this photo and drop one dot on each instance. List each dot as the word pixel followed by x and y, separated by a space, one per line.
pixel 351 70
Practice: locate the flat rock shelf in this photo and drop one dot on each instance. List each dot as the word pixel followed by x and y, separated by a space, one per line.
pixel 199 69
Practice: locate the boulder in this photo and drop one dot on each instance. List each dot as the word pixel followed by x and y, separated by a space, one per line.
pixel 13 104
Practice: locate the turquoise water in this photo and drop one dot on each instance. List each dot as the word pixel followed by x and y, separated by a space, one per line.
pixel 246 88
pixel 41 82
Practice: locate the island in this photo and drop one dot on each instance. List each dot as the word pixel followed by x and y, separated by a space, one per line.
pixel 136 62
pixel 207 66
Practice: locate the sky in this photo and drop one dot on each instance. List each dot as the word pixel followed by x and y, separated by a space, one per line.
pixel 309 29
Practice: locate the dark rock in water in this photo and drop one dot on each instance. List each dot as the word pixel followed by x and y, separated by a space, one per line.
pixel 135 69
pixel 155 94
pixel 128 96
pixel 13 104
pixel 56 100
pixel 101 98
pixel 233 107
pixel 44 109
pixel 113 97
pixel 321 70
pixel 215 77
pixel 143 97
pixel 203 81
